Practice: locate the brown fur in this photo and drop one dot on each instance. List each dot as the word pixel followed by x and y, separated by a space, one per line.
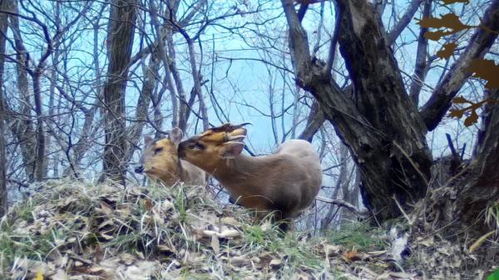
pixel 286 181
pixel 160 161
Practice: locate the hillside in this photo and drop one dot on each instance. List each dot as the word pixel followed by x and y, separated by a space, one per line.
pixel 73 230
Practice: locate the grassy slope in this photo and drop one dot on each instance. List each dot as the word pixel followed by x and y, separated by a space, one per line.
pixel 74 230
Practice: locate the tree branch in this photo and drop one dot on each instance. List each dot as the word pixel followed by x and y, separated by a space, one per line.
pixel 421 68
pixel 314 121
pixel 481 41
pixel 403 22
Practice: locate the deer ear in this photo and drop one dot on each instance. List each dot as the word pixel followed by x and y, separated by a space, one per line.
pixel 176 135
pixel 147 140
pixel 232 149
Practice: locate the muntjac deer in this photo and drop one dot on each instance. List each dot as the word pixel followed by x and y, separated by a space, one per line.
pixel 286 181
pixel 160 161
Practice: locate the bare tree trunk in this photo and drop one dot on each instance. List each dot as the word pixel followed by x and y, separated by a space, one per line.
pixel 120 42
pixel 22 127
pixel 3 178
pixel 422 66
pixel 40 171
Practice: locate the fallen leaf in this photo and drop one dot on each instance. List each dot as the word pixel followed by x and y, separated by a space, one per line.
pixel 229 233
pixel 39 276
pixel 215 244
pixel 230 221
pixel 332 250
pixel 239 261
pixel 275 263
pixel 376 253
pixel 351 256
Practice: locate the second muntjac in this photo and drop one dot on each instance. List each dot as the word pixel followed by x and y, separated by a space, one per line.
pixel 160 161
pixel 286 181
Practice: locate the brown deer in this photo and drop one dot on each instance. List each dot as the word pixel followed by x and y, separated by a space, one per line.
pixel 286 181
pixel 160 161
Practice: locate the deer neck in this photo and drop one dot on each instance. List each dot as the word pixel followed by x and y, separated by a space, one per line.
pixel 243 169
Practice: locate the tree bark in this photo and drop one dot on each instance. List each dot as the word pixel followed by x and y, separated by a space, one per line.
pixel 314 121
pixel 382 128
pixel 482 187
pixel 120 42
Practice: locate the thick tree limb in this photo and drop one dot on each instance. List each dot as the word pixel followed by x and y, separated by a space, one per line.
pixel 314 121
pixel 481 41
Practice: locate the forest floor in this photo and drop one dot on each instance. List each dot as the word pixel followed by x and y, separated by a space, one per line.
pixel 74 230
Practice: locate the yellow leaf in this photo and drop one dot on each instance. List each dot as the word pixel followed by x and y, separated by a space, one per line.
pixel 38 276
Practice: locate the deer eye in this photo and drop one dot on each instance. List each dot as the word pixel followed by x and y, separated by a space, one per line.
pixel 158 150
pixel 196 146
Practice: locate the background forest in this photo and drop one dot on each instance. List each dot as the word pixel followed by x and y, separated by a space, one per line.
pixel 81 83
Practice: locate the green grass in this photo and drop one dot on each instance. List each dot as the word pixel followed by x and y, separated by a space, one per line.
pixel 34 246
pixel 360 236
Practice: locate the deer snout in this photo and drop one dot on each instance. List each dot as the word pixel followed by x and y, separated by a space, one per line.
pixel 139 169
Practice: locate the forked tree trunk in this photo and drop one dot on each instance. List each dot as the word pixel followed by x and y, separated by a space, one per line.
pixel 379 123
pixel 120 42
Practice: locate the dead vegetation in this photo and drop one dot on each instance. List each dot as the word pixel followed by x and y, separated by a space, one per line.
pixel 73 230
